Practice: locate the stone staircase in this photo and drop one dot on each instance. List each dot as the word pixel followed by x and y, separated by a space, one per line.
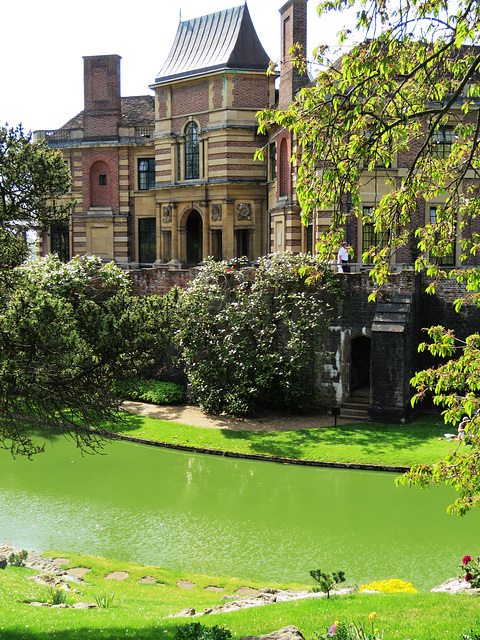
pixel 356 407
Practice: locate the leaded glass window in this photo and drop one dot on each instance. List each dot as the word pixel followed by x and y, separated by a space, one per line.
pixel 192 152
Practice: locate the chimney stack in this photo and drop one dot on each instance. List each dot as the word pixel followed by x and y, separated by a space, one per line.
pixel 103 111
pixel 293 30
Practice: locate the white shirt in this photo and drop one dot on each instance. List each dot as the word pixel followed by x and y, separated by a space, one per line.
pixel 343 254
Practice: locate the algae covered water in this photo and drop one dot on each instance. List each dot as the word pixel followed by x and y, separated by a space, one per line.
pixel 223 516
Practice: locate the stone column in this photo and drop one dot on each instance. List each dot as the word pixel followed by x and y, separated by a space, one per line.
pixel 228 235
pixel 175 234
pixel 258 221
pixel 206 229
pixel 158 232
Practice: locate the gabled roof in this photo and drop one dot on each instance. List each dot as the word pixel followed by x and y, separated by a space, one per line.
pixel 223 40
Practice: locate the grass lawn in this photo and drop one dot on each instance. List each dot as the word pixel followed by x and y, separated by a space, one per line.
pixel 140 610
pixel 365 443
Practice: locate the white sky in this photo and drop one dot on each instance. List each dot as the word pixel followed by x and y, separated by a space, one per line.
pixel 42 44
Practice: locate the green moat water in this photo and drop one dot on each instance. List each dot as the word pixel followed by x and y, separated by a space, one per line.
pixel 222 516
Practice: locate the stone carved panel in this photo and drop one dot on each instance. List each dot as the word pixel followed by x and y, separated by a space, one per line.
pixel 167 214
pixel 244 211
pixel 216 212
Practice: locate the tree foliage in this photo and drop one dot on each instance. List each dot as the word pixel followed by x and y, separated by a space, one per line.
pixel 249 338
pixel 398 114
pixel 388 98
pixel 67 331
pixel 454 385
pixel 32 180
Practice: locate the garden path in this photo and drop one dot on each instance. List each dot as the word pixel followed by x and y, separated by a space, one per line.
pixel 195 417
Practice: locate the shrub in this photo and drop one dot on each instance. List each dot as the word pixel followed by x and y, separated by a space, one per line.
pixel 327 581
pixel 197 631
pixel 471 571
pixel 151 391
pixel 389 586
pixel 252 339
pixel 17 559
pixel 473 633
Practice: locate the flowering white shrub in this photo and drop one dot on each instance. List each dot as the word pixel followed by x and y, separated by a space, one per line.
pixel 79 274
pixel 249 337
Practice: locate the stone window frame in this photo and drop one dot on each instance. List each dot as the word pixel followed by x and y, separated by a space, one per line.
pixel 146 175
pixel 431 217
pixel 367 231
pixel 191 161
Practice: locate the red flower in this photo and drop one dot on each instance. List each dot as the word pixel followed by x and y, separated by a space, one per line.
pixel 466 559
pixel 468 577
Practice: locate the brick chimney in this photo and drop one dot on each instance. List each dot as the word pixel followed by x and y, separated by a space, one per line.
pixel 293 30
pixel 103 111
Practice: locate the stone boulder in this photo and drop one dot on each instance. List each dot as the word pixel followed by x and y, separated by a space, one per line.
pixel 452 585
pixel 286 633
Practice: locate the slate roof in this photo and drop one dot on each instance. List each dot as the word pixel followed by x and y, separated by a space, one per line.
pixel 223 40
pixel 137 111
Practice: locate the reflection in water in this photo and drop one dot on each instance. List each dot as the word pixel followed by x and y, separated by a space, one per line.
pixel 233 517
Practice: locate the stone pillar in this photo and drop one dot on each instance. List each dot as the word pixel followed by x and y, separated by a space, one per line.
pixel 175 235
pixel 258 215
pixel 205 229
pixel 158 232
pixel 228 235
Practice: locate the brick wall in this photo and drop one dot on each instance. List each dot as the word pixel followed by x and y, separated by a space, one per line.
pixel 162 103
pixel 189 99
pixel 217 88
pixel 92 161
pixel 250 93
pixel 159 280
pixel 100 194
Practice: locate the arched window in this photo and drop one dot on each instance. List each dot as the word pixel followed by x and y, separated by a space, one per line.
pixel 192 152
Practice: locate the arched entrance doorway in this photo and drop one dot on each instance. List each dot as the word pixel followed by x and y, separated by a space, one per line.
pixel 194 238
pixel 360 365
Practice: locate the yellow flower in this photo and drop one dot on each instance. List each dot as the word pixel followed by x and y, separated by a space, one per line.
pixel 375 631
pixel 372 615
pixel 336 623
